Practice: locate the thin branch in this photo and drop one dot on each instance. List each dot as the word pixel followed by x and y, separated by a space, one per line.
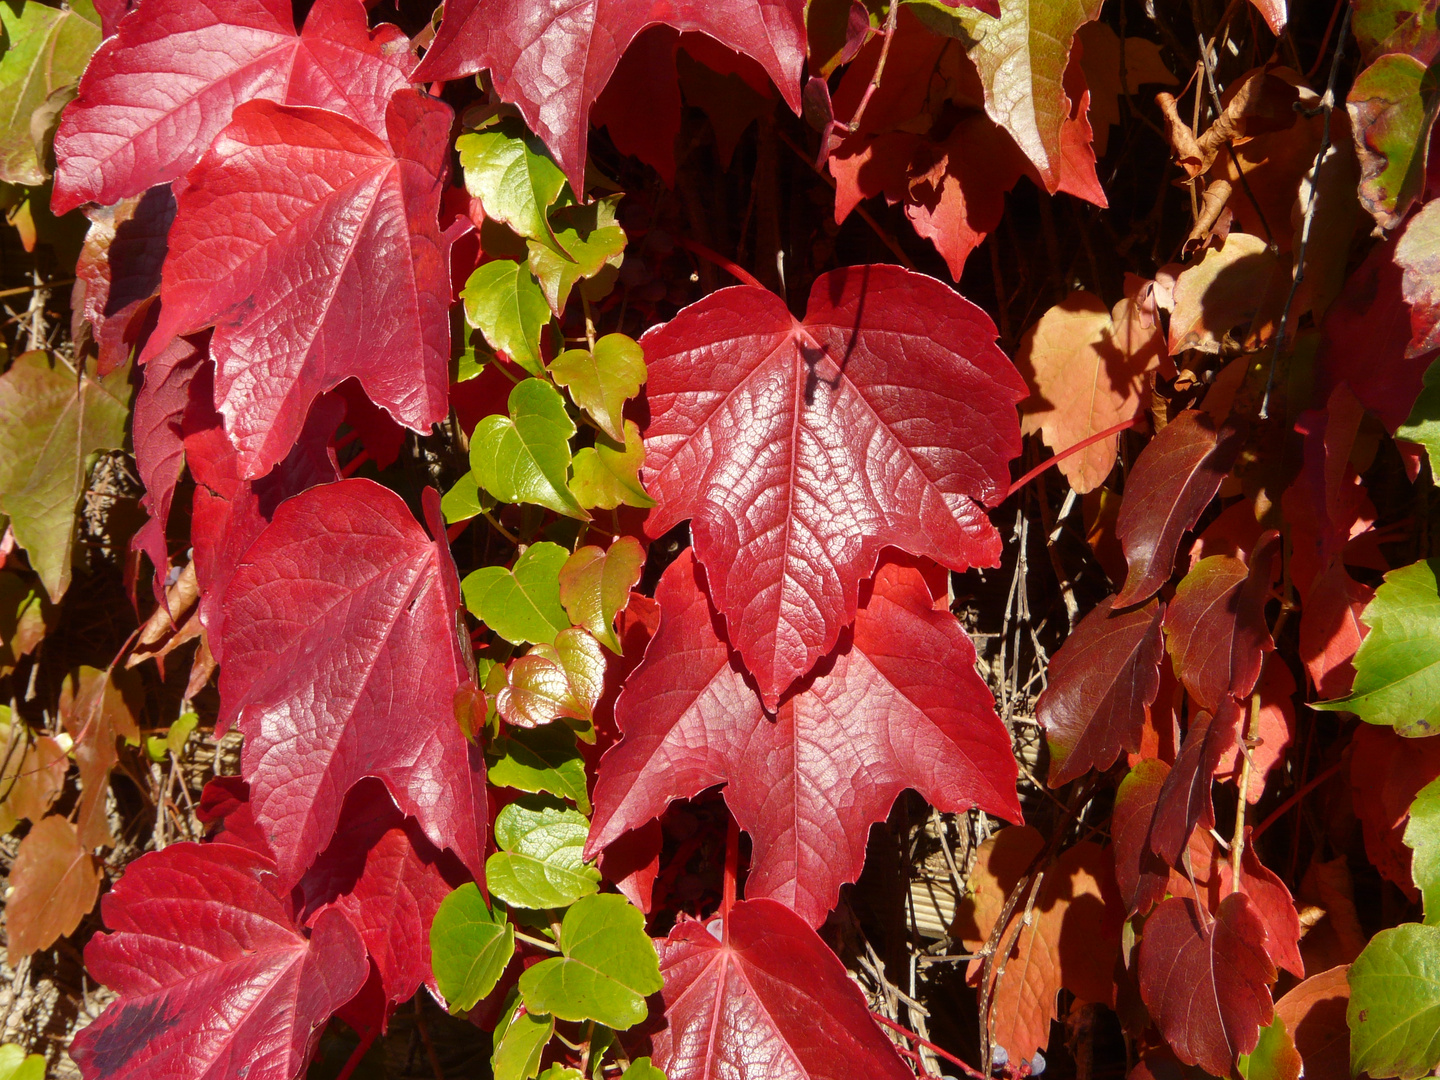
pixel 1134 421
pixel 900 1029
pixel 1300 793
pixel 39 286
pixel 734 269
pixel 1327 106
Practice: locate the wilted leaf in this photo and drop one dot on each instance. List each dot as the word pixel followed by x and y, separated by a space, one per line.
pixel 1392 106
pixel 522 603
pixel 1394 1011
pixel 97 708
pixel 540 863
pixel 793 448
pixel 1109 75
pixel 55 882
pixel 606 970
pixel 1397 667
pixel 471 944
pixel 1206 980
pixel 1098 688
pixel 899 706
pixel 1221 291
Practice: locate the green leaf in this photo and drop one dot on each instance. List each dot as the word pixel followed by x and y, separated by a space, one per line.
pixel 562 681
pixel 541 759
pixel 523 603
pixel 465 500
pixel 1397 667
pixel 174 741
pixel 525 457
pixel 601 382
pixel 1422 835
pixel 470 945
pixel 1274 1056
pixel 14 1064
pixel 607 968
pixel 51 423
pixel 606 474
pixel 505 304
pixel 562 1072
pixel 1385 26
pixel 471 363
pixel 519 1041
pixel 509 171
pixel 587 240
pixel 1394 1011
pixel 541 861
pixel 48 49
pixel 1022 57
pixel 1423 426
pixel 595 584
pixel 1392 107
pixel 641 1069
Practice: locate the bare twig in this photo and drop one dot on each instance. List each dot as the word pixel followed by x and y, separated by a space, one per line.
pixel 1327 106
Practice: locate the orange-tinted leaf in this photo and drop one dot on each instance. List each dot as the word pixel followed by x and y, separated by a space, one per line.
pixel 1275 731
pixel 1331 630
pixel 1314 1014
pixel 1206 980
pixel 1085 367
pixel 1098 687
pixel 554 682
pixel 55 882
pixel 34 775
pixel 98 708
pixel 1173 480
pixel 1100 55
pixel 1221 291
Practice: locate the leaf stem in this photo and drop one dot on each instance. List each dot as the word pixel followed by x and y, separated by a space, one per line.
pixel 539 943
pixel 1248 733
pixel 732 869
pixel 1300 793
pixel 37 287
pixel 735 270
pixel 901 1029
pixel 1134 421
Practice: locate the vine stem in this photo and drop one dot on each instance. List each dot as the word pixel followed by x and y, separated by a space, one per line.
pixel 1237 841
pixel 1134 421
pixel 901 1029
pixel 732 870
pixel 892 20
pixel 1300 793
pixel 539 943
pixel 734 269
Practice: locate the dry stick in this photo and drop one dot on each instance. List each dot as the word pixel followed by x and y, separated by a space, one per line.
pixel 37 286
pixel 900 1029
pixel 1327 106
pixel 1219 111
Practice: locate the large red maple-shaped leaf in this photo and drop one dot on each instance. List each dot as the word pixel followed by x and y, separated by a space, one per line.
pixel 800 449
pixel 553 60
pixel 157 93
pixel 313 248
pixel 215 978
pixel 765 1001
pixel 897 706
pixel 342 661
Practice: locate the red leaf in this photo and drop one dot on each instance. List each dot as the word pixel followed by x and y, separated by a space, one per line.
pixel 633 863
pixel 119 270
pixel 1275 731
pixel 1207 981
pixel 1184 800
pixel 156 95
pixel 313 249
pixel 769 1002
pixel 340 637
pixel 384 875
pixel 1314 1015
pixel 1172 482
pixel 1386 772
pixel 1364 339
pixel 230 512
pixel 1331 630
pixel 1140 873
pixel 1098 687
pixel 898 705
pixel 213 974
pixel 225 808
pixel 1215 627
pixel 640 105
pixel 554 64
pixel 800 449
pixel 1273 904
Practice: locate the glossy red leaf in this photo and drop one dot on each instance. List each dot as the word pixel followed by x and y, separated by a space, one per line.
pixel 214 976
pixel 385 877
pixel 1184 800
pixel 229 512
pixel 224 808
pixel 800 449
pixel 342 661
pixel 118 271
pixel 1386 772
pixel 1274 905
pixel 1331 630
pixel 157 94
pixel 897 706
pixel 1098 687
pixel 1173 480
pixel 166 397
pixel 1215 626
pixel 765 999
pixel 1206 980
pixel 554 63
pixel 313 249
